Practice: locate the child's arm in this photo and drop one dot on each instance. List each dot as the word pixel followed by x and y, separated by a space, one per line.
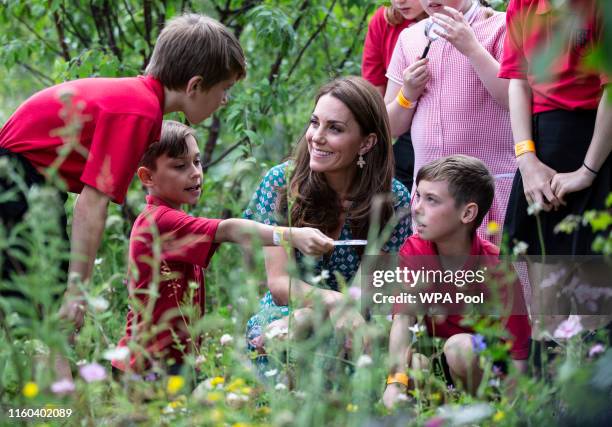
pixel 535 174
pixel 415 78
pixel 87 228
pixel 599 150
pixel 399 354
pixel 309 241
pixel 461 35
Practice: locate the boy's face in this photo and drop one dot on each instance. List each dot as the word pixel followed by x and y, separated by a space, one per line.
pixel 435 214
pixel 201 103
pixel 177 180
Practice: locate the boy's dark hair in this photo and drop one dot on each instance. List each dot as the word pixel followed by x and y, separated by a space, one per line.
pixel 171 143
pixel 196 45
pixel 468 179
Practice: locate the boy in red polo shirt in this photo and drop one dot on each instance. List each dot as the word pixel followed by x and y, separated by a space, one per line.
pixel 562 127
pixel 194 62
pixel 452 197
pixel 172 173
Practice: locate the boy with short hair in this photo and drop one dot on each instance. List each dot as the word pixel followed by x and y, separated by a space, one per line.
pixel 172 173
pixel 194 63
pixel 452 197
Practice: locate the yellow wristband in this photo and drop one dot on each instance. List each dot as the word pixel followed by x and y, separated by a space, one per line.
pixel 398 377
pixel 403 101
pixel 278 236
pixel 523 147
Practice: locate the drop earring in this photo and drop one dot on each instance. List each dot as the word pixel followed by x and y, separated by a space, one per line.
pixel 361 163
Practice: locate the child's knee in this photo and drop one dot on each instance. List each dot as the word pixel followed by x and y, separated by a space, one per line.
pixel 459 352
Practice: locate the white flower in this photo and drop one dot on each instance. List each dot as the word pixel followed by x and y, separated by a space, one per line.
pixel 520 248
pixel 534 208
pixel 280 387
pixel 117 353
pixel 417 328
pixel 363 361
pixel 226 339
pixel 200 359
pixel 242 301
pixel 236 398
pixel 99 261
pixel 98 304
pixel 271 373
pixel 568 328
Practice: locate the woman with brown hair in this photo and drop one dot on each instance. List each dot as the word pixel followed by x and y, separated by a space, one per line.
pixel 340 165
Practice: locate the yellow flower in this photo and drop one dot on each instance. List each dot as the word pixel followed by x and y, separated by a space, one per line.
pixel 214 396
pixel 217 380
pixel 492 227
pixel 241 425
pixel 30 390
pixel 436 396
pixel 175 383
pixel 499 415
pixel 245 390
pixel 352 408
pixel 236 384
pixel 264 410
pixel 175 404
pixel 216 415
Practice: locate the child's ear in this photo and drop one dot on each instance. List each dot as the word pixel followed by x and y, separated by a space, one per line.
pixel 145 175
pixel 193 85
pixel 368 143
pixel 470 212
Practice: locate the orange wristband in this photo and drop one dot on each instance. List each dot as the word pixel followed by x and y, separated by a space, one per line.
pixel 523 147
pixel 398 377
pixel 403 101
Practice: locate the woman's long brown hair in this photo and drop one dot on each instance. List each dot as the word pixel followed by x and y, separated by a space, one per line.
pixel 314 202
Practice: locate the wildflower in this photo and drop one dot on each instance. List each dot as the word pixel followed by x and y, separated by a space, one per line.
pixel 117 353
pixel 354 292
pixel 352 408
pixel 92 372
pixel 226 339
pixel 417 329
pixel 270 373
pixel 478 343
pixel 436 397
pixel 596 349
pixel 235 384
pixel 499 415
pixel 64 386
pixel 175 383
pixel 200 360
pixel 280 387
pixel 236 399
pixel 30 390
pixel 217 381
pixel 241 425
pixel 245 390
pixel 216 415
pixel 492 228
pixel 568 328
pixel 264 410
pixel 98 304
pixel 363 361
pixel 534 208
pixel 435 422
pixel 520 248
pixel 98 261
pixel 321 277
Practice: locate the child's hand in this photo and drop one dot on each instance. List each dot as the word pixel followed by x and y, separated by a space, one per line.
pixel 415 78
pixel 537 178
pixel 73 308
pixel 392 394
pixel 311 241
pixel 457 31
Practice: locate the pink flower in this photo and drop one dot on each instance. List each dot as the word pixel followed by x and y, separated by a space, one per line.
pixel 64 386
pixel 92 372
pixel 435 422
pixel 596 349
pixel 354 292
pixel 568 328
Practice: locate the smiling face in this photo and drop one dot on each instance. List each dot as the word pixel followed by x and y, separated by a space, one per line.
pixel 199 104
pixel 176 180
pixel 334 138
pixel 437 6
pixel 435 213
pixel 409 9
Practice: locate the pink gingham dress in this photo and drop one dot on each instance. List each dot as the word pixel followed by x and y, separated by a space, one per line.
pixel 456 114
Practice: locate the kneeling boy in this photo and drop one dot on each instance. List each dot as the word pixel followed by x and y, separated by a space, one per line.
pixel 452 197
pixel 172 173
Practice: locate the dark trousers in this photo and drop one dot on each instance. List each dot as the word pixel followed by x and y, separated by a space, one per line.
pixel 403 152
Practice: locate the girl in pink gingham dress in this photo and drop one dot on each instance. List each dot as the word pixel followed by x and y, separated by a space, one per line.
pixel 459 106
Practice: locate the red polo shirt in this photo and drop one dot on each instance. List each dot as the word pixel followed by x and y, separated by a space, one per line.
pixel 187 245
pixel 517 325
pixel 379 45
pixel 534 27
pixel 120 118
